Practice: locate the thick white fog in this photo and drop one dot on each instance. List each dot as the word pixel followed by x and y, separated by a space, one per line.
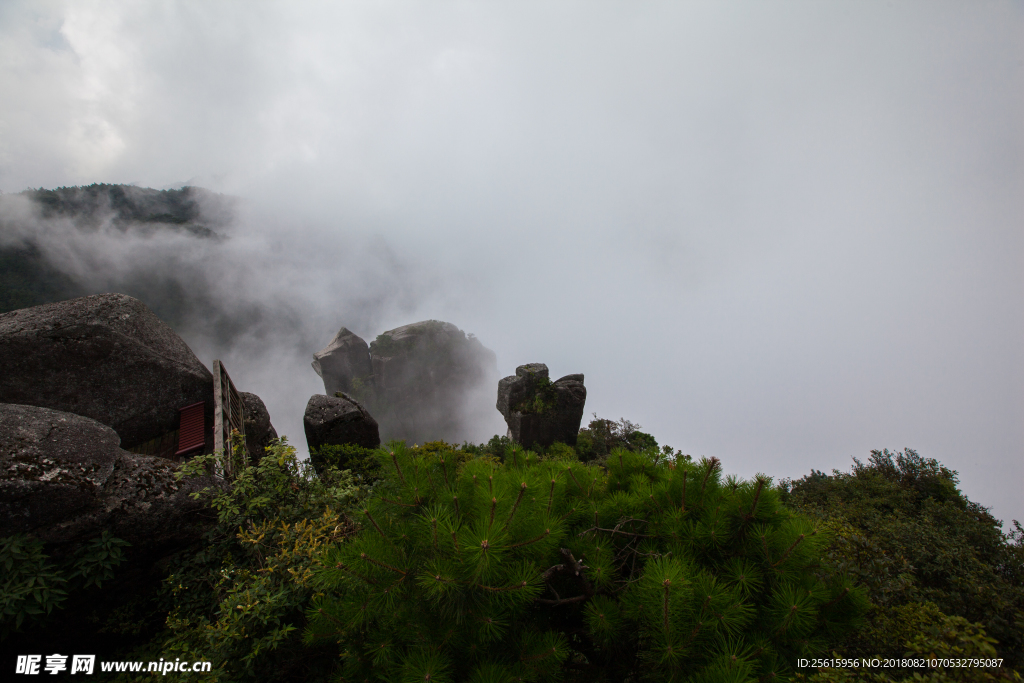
pixel 780 233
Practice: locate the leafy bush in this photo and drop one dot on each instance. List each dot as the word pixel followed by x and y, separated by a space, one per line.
pixel 601 437
pixel 930 635
pixel 904 530
pixel 34 584
pixel 238 600
pixel 496 447
pixel 538 569
pixel 349 456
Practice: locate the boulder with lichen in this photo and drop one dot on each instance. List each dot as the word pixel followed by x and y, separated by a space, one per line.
pixel 539 411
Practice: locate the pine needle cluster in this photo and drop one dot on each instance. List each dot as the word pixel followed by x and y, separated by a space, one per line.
pixel 533 570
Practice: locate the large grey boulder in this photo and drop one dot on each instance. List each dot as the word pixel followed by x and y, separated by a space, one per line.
pixel 427 379
pixel 107 357
pixel 345 360
pixel 64 479
pixel 539 411
pixel 422 381
pixel 259 432
pixel 337 420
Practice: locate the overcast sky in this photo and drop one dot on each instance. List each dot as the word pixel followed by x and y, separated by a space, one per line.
pixel 780 233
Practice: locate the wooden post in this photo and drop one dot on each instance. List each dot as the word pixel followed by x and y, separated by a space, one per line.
pixel 228 415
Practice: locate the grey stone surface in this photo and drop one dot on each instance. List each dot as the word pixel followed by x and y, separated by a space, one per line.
pixel 421 381
pixel 538 411
pixel 64 479
pixel 107 357
pixel 426 376
pixel 334 420
pixel 345 359
pixel 259 432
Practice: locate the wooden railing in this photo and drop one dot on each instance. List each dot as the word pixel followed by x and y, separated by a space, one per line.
pixel 228 417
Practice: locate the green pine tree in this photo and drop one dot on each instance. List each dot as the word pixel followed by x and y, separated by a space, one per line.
pixel 535 570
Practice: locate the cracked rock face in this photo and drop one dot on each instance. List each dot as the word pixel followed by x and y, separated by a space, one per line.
pixel 64 479
pixel 107 357
pixel 539 411
pixel 344 359
pixel 258 430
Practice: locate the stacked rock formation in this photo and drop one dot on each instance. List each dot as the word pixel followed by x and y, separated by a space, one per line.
pixel 345 360
pixel 539 411
pixel 416 379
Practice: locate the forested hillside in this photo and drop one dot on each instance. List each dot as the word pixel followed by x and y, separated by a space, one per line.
pixel 34 269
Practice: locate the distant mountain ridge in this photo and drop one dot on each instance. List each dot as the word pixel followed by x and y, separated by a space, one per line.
pixel 129 205
pixel 30 277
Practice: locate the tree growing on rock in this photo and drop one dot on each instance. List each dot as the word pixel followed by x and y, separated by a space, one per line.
pixel 533 570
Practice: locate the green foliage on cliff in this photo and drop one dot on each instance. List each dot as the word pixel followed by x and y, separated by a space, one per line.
pixel 602 436
pixel 904 530
pixel 28 277
pixel 541 400
pixel 494 563
pixel 238 600
pixel 542 569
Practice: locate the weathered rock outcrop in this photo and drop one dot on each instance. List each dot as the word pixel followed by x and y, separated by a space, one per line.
pixel 107 357
pixel 259 432
pixel 64 479
pixel 336 420
pixel 539 411
pixel 341 362
pixel 421 382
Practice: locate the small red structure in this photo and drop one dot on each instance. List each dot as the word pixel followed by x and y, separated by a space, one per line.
pixel 192 429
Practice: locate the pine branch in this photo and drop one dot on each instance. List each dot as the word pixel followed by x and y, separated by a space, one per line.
pixel 374 522
pixel 713 464
pixel 616 530
pixel 797 542
pixel 562 601
pixel 573 475
pixel 838 597
pixel 503 589
pixel 394 459
pixel 757 498
pixel 667 583
pixel 367 558
pixel 544 535
pixel 395 502
pixel 522 491
pixel 355 573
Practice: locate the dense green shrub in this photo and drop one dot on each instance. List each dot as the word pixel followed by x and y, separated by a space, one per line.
pixel 535 569
pixel 238 599
pixel 34 583
pixel 495 447
pixel 600 437
pixel 905 531
pixel 930 636
pixel 349 456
